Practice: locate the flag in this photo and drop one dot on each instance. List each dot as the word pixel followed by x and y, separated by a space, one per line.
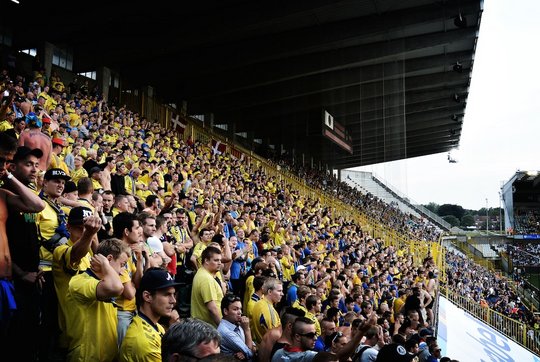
pixel 218 148
pixel 177 125
pixel 236 154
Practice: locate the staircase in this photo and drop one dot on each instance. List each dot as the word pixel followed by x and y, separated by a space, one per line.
pixel 368 182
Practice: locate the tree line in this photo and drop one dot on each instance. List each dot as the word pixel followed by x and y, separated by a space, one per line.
pixel 456 215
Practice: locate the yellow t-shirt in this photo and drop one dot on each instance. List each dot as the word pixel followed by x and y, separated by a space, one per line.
pixel 142 342
pixel 250 289
pixel 205 289
pixel 63 270
pixel 76 175
pixel 47 222
pixel 5 125
pixel 264 318
pixel 197 251
pixel 121 302
pixel 96 184
pixel 58 162
pixel 94 338
pixel 316 321
pixel 88 204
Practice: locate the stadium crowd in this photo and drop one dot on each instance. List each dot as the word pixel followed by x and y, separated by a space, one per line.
pixel 526 221
pixel 108 223
pixel 387 214
pixel 525 255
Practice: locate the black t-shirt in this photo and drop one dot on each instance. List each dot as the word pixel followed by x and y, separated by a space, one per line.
pixel 277 345
pixel 21 231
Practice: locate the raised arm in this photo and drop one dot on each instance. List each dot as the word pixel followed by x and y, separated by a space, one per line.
pixel 22 198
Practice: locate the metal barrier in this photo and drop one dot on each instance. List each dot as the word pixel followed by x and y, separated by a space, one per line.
pixel 513 329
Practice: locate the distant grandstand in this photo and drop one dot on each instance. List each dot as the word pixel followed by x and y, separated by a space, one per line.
pixel 521 197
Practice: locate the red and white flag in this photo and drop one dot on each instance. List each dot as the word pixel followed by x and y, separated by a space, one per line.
pixel 218 148
pixel 236 154
pixel 177 125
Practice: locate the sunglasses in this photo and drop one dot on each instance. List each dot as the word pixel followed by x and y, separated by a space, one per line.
pixel 308 335
pixel 338 334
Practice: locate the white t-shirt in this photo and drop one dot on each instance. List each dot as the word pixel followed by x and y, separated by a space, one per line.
pixel 155 244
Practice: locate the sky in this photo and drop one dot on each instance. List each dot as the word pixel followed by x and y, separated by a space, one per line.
pixel 501 129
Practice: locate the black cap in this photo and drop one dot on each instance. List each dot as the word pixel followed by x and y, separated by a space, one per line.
pixel 424 332
pixel 24 151
pixel 78 214
pixel 56 173
pixel 70 186
pixel 94 170
pixel 156 278
pixel 394 352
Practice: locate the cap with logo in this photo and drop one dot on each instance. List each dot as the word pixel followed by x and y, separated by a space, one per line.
pixel 156 278
pixel 394 352
pixel 78 214
pixel 56 173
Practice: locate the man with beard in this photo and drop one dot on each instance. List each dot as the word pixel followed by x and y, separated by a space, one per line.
pixel 234 329
pixel 22 235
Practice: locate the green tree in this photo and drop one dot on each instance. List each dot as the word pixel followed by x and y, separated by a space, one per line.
pixel 451 219
pixel 450 209
pixel 433 207
pixel 467 220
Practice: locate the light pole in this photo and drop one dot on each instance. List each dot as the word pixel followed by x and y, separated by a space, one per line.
pixel 487 217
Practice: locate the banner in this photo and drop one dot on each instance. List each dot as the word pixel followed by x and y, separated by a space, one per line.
pixel 177 125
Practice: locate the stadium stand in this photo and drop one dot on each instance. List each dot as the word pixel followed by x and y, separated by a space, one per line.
pixel 177 200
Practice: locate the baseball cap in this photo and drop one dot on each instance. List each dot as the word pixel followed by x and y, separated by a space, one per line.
pixel 69 187
pixel 24 151
pixel 58 141
pixel 424 332
pixel 78 214
pixel 156 278
pixel 94 170
pixel 394 352
pixel 300 267
pixel 46 120
pixel 56 173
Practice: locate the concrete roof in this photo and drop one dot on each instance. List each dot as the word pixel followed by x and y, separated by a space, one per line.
pixel 382 68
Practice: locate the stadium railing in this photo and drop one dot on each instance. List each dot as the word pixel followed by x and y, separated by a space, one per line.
pixel 518 331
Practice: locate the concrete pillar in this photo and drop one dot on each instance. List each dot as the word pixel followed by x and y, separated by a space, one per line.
pixel 103 78
pixel 46 59
pixel 209 120
pixel 232 131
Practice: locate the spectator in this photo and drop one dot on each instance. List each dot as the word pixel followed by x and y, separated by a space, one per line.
pixel 71 258
pixel 234 329
pixel 23 245
pixel 394 352
pixel 128 230
pixel 190 340
pixel 156 299
pixel 304 335
pixel 207 291
pixel 367 352
pixel 32 138
pixel 328 327
pixel 264 316
pixel 89 297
